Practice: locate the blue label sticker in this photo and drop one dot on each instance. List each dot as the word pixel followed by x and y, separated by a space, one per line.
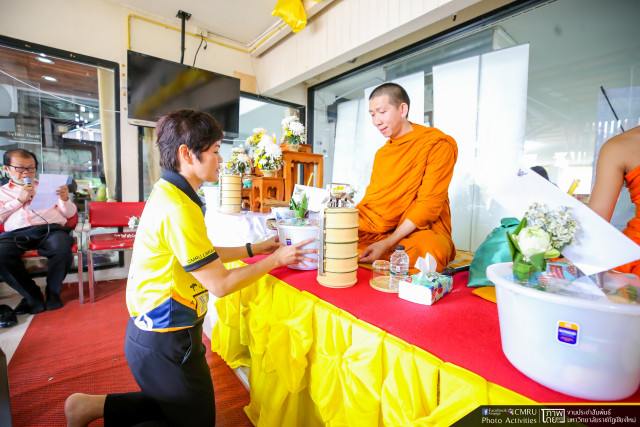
pixel 568 333
pixel 288 239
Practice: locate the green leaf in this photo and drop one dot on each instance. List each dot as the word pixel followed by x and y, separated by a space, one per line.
pixel 552 253
pixel 539 261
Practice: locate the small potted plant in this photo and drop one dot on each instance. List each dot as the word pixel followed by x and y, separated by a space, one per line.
pixel 268 156
pixel 293 132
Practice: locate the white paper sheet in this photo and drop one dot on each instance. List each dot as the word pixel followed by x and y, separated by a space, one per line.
pixel 46 196
pixel 317 198
pixel 598 246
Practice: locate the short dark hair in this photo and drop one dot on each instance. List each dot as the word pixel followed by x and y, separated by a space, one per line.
pixel 195 129
pixel 18 152
pixel 396 93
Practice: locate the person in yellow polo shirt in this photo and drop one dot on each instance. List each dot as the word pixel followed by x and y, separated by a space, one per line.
pixel 174 266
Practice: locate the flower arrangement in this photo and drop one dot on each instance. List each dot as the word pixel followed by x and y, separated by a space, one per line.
pixel 541 234
pixel 298 204
pixel 253 140
pixel 240 162
pixel 293 131
pixel 268 155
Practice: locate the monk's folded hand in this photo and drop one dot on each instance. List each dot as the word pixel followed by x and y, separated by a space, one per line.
pixel 375 251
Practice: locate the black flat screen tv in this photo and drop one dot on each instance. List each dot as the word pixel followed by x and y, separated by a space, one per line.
pixel 156 87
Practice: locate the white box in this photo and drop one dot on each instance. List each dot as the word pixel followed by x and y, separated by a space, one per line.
pixel 420 294
pixel 584 348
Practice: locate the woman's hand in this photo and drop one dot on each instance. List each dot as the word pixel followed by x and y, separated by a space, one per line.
pixel 266 247
pixel 287 255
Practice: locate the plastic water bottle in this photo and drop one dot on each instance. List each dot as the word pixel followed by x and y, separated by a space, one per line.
pixel 399 267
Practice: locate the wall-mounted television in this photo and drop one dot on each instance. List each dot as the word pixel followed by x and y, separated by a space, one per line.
pixel 156 87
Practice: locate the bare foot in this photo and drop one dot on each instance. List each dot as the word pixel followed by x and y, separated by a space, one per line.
pixel 80 409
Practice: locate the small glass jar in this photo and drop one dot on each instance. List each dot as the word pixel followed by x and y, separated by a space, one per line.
pixel 380 272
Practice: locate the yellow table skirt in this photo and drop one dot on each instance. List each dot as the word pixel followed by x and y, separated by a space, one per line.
pixel 312 364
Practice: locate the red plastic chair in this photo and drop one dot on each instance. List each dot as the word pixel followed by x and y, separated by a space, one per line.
pixel 71 222
pixel 109 214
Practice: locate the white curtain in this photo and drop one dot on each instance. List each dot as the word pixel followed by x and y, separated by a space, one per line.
pixel 106 93
pixel 481 102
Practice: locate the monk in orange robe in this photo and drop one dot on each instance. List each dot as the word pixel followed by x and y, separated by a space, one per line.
pixel 407 201
pixel 618 163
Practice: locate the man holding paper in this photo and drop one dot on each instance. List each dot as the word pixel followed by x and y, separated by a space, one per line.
pixel 26 229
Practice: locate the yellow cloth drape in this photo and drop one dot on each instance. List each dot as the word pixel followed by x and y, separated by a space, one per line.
pixel 313 364
pixel 107 105
pixel 292 13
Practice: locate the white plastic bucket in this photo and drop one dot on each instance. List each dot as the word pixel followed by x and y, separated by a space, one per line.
pixel 290 234
pixel 584 348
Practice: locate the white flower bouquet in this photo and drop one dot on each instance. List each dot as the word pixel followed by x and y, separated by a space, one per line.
pixel 239 163
pixel 254 139
pixel 293 132
pixel 268 155
pixel 542 234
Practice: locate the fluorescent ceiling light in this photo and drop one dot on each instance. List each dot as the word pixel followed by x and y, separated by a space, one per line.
pixel 45 60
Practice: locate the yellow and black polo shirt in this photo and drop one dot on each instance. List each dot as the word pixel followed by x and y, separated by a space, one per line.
pixel 170 242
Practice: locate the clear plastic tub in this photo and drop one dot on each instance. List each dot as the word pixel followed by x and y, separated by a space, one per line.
pixel 584 348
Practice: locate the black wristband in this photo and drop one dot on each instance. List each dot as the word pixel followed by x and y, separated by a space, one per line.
pixel 249 251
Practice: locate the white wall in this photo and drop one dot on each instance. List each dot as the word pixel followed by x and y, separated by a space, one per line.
pixel 98 28
pixel 344 30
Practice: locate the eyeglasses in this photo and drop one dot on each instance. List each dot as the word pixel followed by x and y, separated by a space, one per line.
pixel 21 169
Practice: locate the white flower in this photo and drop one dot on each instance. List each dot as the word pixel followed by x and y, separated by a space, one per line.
pixel 238 150
pixel 285 122
pixel 259 131
pixel 273 150
pixel 133 222
pixel 266 140
pixel 296 128
pixel 532 241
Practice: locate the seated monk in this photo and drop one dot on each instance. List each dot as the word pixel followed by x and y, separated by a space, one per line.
pixel 618 163
pixel 407 201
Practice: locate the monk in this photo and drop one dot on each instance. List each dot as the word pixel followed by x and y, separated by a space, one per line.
pixel 618 163
pixel 407 201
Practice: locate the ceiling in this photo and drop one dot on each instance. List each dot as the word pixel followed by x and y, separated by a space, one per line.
pixel 242 21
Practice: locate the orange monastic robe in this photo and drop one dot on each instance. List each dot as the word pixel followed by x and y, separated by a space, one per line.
pixel 410 179
pixel 632 231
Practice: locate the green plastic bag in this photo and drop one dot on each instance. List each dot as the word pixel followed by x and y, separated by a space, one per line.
pixel 494 250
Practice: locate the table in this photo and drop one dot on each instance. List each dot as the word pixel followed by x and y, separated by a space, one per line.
pixel 357 356
pixel 309 162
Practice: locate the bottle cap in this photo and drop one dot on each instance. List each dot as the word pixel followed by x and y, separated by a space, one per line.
pixel 399 248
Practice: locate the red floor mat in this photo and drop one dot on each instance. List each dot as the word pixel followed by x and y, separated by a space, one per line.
pixel 79 348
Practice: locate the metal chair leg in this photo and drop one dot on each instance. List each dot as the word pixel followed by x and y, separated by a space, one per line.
pixel 91 278
pixel 80 279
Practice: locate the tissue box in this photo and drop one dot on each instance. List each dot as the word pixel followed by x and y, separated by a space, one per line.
pixel 425 289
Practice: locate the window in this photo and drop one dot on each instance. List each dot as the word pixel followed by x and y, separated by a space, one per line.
pixel 521 90
pixel 65 112
pixel 255 112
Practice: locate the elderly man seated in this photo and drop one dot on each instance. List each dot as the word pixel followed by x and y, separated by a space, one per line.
pixel 27 229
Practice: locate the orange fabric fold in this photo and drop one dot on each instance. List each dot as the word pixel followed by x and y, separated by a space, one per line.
pixel 410 179
pixel 632 180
